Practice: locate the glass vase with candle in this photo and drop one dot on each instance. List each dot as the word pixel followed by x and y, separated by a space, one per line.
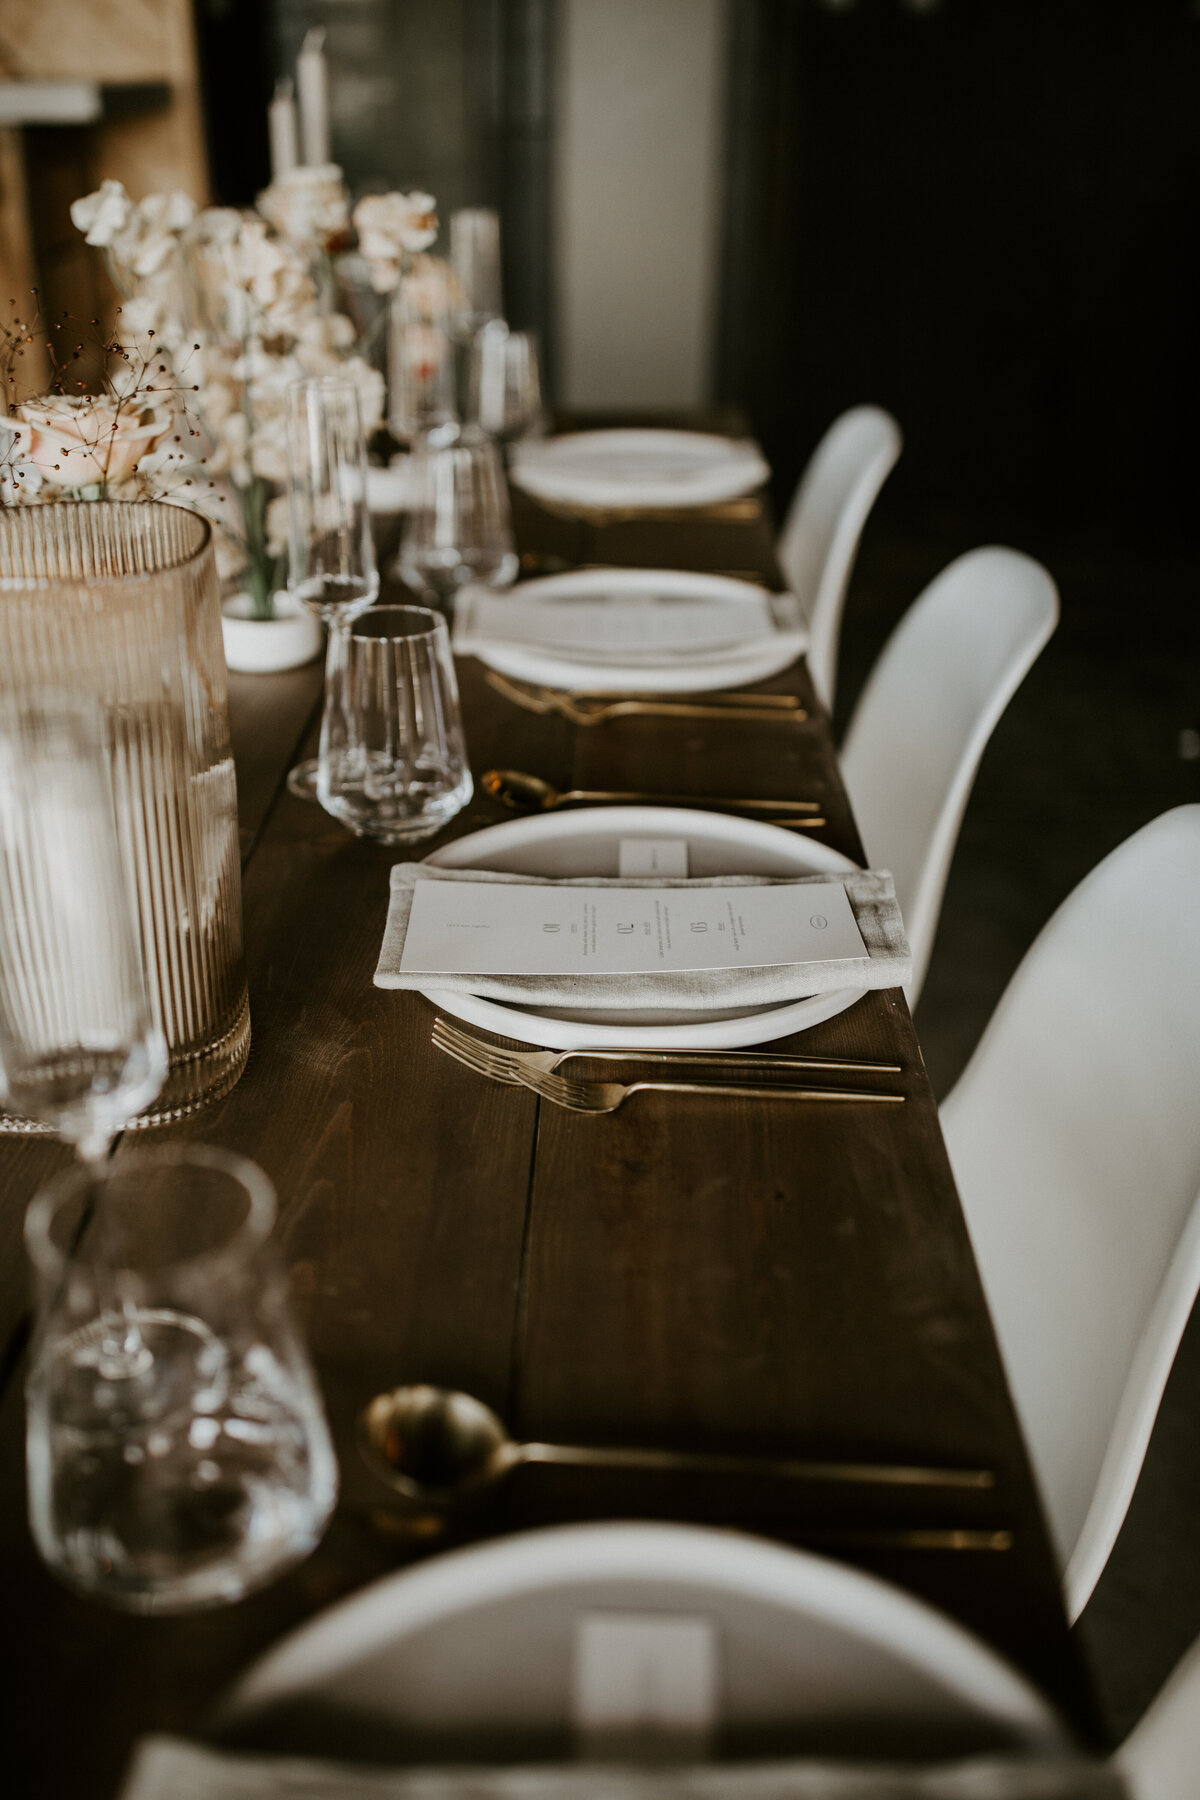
pixel 119 602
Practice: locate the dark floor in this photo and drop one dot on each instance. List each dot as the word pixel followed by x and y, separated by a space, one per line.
pixel 1103 736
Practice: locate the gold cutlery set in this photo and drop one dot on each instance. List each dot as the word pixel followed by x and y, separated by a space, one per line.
pixel 538 1072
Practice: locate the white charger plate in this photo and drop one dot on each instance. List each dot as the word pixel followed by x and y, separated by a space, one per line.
pixel 587 842
pixel 638 468
pixel 696 673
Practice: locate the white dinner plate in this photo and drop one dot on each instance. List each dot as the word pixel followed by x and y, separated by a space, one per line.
pixel 485 1640
pixel 691 672
pixel 587 842
pixel 633 468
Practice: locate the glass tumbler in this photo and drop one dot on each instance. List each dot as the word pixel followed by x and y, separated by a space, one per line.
pixel 119 602
pixel 198 1466
pixel 393 761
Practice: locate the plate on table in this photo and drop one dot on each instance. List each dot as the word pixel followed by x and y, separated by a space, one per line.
pixel 475 1654
pixel 638 468
pixel 587 842
pixel 771 639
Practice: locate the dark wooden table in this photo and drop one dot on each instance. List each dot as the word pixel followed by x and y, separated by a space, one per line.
pixel 703 1274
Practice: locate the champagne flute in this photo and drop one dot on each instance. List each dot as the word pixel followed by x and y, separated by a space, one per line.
pixel 332 558
pixel 80 1051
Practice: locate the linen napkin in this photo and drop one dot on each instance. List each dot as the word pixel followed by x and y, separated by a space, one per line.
pixel 168 1769
pixel 886 964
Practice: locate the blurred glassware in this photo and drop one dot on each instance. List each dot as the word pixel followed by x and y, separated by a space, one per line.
pixel 119 602
pixel 422 395
pixel 200 1466
pixel 459 527
pixel 393 761
pixel 504 392
pixel 79 1049
pixel 331 554
pixel 475 257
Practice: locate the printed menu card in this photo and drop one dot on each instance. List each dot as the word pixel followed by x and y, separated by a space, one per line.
pixel 468 928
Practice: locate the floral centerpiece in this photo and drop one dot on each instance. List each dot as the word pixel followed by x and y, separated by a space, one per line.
pixel 222 311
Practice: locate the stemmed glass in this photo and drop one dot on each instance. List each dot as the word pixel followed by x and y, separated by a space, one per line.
pixel 504 395
pixel 79 1048
pixel 459 529
pixel 332 558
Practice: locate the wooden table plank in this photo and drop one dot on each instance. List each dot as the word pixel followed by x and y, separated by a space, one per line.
pixel 724 1274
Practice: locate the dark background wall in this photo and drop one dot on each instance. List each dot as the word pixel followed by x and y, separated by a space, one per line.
pixel 982 214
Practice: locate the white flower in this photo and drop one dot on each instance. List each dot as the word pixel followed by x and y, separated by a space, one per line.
pixel 391 227
pixel 309 206
pixel 103 215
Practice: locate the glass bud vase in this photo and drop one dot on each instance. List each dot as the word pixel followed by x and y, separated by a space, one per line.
pixel 120 601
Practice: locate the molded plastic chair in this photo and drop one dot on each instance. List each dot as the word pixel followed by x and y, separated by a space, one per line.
pixel 925 716
pixel 824 522
pixel 1074 1134
pixel 507 1649
pixel 1160 1758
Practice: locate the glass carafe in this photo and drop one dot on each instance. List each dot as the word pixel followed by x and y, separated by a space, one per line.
pixel 120 602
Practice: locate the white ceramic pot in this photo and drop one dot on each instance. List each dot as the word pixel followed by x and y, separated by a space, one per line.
pixel 262 646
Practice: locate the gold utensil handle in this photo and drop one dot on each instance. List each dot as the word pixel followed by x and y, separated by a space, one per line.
pixel 697 1462
pixel 734 1092
pixel 737 1059
pixel 590 796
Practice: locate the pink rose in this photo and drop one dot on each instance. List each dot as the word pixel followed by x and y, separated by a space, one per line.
pixel 79 440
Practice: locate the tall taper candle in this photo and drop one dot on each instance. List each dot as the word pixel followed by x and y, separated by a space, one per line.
pixel 312 87
pixel 281 123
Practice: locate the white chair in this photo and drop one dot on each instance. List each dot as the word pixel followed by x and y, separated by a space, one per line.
pixel 619 1638
pixel 925 716
pixel 1074 1135
pixel 1160 1759
pixel 824 522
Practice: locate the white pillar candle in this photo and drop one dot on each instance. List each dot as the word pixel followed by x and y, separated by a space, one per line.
pixel 312 87
pixel 281 123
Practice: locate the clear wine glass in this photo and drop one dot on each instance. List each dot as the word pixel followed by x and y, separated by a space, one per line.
pixel 504 393
pixel 475 256
pixel 203 1468
pixel 459 528
pixel 80 1051
pixel 421 355
pixel 332 557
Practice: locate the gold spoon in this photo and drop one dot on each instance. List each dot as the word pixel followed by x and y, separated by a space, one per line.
pixel 437 1446
pixel 529 793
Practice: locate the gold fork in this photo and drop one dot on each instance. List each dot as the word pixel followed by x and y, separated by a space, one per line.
pixel 594 709
pixel 606 1096
pixel 506 1065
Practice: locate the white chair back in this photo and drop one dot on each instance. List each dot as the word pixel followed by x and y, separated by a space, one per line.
pixel 824 522
pixel 1160 1759
pixel 925 716
pixel 616 1639
pixel 1074 1135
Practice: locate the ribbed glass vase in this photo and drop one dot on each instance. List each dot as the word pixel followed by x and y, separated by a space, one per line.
pixel 120 601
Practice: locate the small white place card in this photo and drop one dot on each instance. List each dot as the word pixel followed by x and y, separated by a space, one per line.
pixel 644 1686
pixel 488 928
pixel 644 859
pixel 635 621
